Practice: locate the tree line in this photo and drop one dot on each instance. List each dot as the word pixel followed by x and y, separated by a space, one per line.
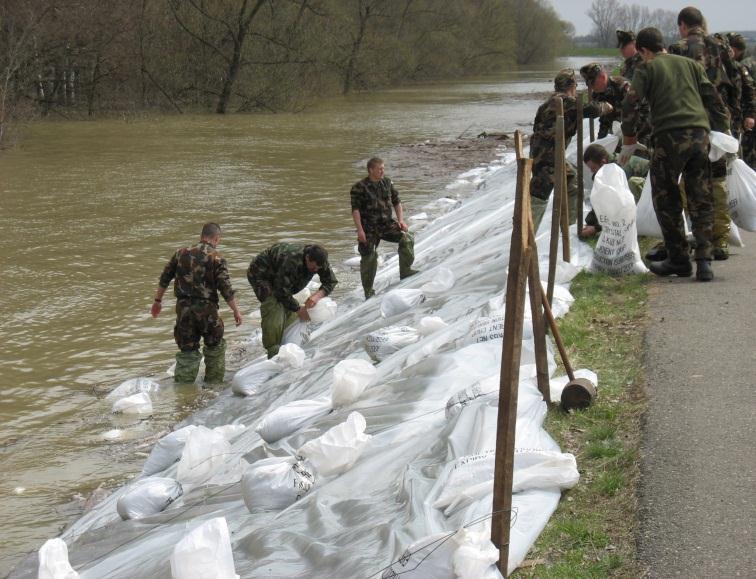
pixel 609 15
pixel 89 57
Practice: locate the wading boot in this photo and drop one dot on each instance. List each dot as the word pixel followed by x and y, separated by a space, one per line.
pixel 368 268
pixel 681 267
pixel 406 252
pixel 215 362
pixel 657 253
pixel 703 270
pixel 187 366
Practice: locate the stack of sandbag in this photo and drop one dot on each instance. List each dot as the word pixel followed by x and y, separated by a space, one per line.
pixel 350 379
pixel 148 496
pixel 382 343
pixel 205 552
pixel 289 418
pixel 275 483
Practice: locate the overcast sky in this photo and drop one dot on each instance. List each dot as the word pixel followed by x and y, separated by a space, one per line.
pixel 722 15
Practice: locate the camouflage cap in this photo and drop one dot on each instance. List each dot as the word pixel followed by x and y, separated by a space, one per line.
pixel 590 72
pixel 564 79
pixel 736 40
pixel 624 37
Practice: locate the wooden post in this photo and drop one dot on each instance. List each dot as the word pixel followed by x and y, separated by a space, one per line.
pixel 520 259
pixel 556 201
pixel 564 215
pixel 579 214
pixel 591 124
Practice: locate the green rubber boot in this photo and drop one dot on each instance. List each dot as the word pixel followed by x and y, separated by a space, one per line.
pixel 275 319
pixel 215 362
pixel 368 268
pixel 406 252
pixel 721 230
pixel 187 366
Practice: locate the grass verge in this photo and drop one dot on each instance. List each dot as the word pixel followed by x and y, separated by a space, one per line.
pixel 592 532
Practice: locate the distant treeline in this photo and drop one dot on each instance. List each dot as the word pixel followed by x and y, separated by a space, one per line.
pixel 87 57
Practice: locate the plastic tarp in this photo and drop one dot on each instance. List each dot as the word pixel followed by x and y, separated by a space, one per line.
pixel 359 520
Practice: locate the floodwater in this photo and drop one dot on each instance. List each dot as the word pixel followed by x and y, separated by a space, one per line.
pixel 91 211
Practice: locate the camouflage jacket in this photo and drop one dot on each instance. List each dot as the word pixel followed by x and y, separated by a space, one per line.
pixel 628 67
pixel 750 64
pixel 200 272
pixel 375 201
pixel 544 126
pixel 744 92
pixel 282 267
pixel 615 92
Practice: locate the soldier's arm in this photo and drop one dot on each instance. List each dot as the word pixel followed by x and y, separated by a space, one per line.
pixel 596 109
pixel 328 280
pixel 631 105
pixel 169 272
pixel 356 199
pixel 747 98
pixel 223 283
pixel 719 118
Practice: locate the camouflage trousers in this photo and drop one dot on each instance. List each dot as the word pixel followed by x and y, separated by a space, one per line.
pixel 275 318
pixel 198 319
pixel 541 185
pixel 369 263
pixel 748 147
pixel 683 151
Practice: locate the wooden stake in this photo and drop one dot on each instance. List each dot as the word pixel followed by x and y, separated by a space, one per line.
pixel 591 124
pixel 579 214
pixel 556 201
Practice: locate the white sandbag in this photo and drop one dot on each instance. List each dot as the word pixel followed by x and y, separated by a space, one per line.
pixel 205 553
pixel 442 282
pixel 463 398
pixel 167 451
pixel 741 194
pixel 289 356
pixel 275 483
pixel 476 556
pixel 386 341
pixel 302 295
pixel 429 558
pixel 350 378
pixel 339 448
pixel 721 144
pixel 419 217
pixel 290 417
pixel 297 333
pixel 646 222
pixel 205 454
pixel 314 284
pixel 471 472
pixel 734 238
pixel 230 431
pixel 430 325
pixel 247 380
pixel 324 310
pixel 400 300
pixel 53 561
pixel 617 251
pixel 135 404
pixel 133 386
pixel 353 262
pixel 148 496
pixel 486 328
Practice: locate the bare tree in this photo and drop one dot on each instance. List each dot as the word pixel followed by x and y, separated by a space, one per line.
pixel 606 16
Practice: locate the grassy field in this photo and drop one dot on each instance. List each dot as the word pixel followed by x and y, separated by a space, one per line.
pixel 592 533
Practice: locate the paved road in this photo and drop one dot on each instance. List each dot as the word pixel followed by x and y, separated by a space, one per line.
pixel 698 487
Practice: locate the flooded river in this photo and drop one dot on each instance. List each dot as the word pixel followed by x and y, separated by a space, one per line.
pixel 91 211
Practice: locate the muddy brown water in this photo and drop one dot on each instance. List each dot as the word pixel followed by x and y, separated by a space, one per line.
pixel 91 211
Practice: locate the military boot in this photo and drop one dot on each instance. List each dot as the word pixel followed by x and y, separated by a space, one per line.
pixel 703 270
pixel 368 268
pixel 406 255
pixel 679 266
pixel 657 253
pixel 215 362
pixel 187 366
pixel 720 253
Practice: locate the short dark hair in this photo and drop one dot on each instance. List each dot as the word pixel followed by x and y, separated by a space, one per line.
pixel 690 16
pixel 651 39
pixel 316 253
pixel 373 162
pixel 596 153
pixel 210 230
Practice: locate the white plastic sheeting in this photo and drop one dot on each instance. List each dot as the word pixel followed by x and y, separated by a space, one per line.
pixel 360 520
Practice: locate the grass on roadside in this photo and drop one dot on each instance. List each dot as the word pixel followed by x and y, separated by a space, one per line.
pixel 592 533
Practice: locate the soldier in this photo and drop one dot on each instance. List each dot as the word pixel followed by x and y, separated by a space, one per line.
pixel 626 44
pixel 372 199
pixel 747 90
pixel 200 272
pixel 276 275
pixel 612 90
pixel 542 142
pixel 684 107
pixel 713 55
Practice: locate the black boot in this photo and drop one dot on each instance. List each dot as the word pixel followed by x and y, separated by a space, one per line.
pixel 681 267
pixel 703 270
pixel 657 253
pixel 720 253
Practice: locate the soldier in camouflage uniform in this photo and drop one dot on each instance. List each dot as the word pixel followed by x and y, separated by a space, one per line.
pixel 612 90
pixel 200 272
pixel 713 55
pixel 543 141
pixel 684 107
pixel 747 70
pixel 626 44
pixel 276 275
pixel 372 199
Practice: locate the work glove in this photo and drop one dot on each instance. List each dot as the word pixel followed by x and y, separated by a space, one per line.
pixel 626 152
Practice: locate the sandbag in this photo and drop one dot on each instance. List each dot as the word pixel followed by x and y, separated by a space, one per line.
pixel 148 496
pixel 430 325
pixel 400 300
pixel 302 295
pixel 134 404
pixel 429 558
pixel 463 398
pixel 384 342
pixel 338 449
pixel 350 378
pixel 248 380
pixel 486 328
pixel 275 483
pixel 741 194
pixel 289 356
pixel 133 386
pixel 296 333
pixel 230 431
pixel 167 451
pixel 617 251
pixel 205 453
pixel 205 553
pixel 324 310
pixel 442 282
pixel 53 561
pixel 721 144
pixel 290 417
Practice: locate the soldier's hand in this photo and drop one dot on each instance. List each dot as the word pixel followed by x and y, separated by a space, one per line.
pixel 303 315
pixel 155 309
pixel 313 299
pixel 748 123
pixel 403 226
pixel 361 237
pixel 238 318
